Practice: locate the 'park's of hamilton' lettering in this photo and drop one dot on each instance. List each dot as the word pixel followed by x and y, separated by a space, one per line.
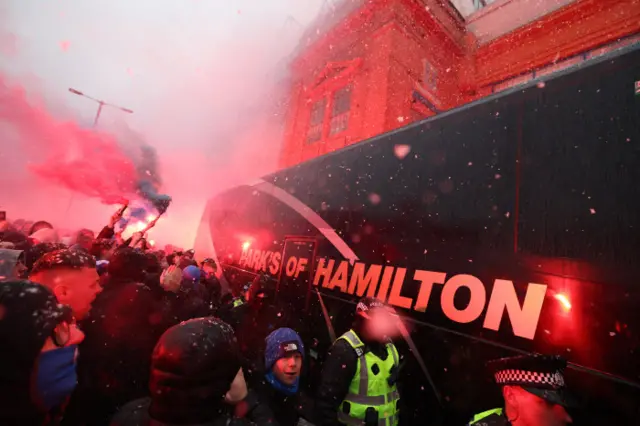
pixel 385 283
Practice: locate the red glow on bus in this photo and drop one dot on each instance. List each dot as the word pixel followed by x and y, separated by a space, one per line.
pixel 564 300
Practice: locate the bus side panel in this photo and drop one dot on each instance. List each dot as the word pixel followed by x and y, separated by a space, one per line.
pixel 534 188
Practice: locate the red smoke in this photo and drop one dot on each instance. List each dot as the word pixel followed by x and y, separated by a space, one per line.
pixel 82 160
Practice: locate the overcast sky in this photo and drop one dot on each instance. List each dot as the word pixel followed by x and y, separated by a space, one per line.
pixel 187 68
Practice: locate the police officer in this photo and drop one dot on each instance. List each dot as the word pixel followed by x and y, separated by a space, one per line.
pixel 358 385
pixel 241 299
pixel 534 392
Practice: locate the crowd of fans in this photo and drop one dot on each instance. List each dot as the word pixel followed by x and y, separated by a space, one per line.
pixel 97 330
pixel 105 331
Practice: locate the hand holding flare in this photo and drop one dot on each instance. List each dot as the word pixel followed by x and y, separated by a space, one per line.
pixel 118 215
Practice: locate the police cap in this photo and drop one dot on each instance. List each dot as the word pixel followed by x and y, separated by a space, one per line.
pixel 541 375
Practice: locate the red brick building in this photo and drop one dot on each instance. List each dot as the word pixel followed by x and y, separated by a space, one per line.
pixel 369 66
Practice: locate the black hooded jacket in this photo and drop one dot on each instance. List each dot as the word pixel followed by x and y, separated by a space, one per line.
pixel 114 359
pixel 124 324
pixel 193 367
pixel 136 413
pixel 287 409
pixel 29 314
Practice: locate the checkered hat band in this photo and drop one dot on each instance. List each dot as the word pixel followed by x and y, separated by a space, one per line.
pixel 522 377
pixel 363 307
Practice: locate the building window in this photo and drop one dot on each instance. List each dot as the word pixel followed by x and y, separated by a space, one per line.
pixel 340 111
pixel 316 121
pixel 469 7
pixel 430 77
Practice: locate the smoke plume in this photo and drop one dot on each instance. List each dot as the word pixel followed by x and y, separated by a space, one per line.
pixel 201 78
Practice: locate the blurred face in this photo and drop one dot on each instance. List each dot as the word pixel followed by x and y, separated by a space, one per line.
pixel 85 239
pixel 20 269
pixel 26 227
pixel 208 270
pixel 163 263
pixel 381 324
pixel 107 253
pixel 82 287
pixel 141 244
pixel 76 288
pixel 527 409
pixel 287 369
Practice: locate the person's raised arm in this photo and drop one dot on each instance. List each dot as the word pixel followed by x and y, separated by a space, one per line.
pixel 108 231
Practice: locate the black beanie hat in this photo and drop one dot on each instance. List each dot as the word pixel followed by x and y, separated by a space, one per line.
pixel 152 264
pixel 29 313
pixel 100 245
pixel 127 264
pixel 192 368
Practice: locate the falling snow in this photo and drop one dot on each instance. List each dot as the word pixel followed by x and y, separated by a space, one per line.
pixel 401 151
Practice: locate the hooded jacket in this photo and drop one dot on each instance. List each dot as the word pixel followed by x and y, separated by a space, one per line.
pixel 193 366
pixel 121 331
pixel 288 410
pixel 30 312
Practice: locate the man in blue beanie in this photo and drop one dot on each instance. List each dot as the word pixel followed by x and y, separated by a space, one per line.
pixel 192 273
pixel 280 388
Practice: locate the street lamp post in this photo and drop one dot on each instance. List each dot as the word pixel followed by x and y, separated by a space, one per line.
pixel 101 104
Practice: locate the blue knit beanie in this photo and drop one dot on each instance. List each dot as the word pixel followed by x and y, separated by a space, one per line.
pixel 191 272
pixel 280 343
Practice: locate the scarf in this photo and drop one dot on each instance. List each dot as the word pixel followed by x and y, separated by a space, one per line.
pixel 281 387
